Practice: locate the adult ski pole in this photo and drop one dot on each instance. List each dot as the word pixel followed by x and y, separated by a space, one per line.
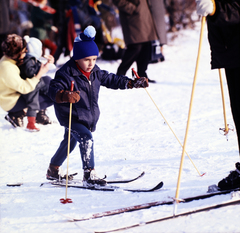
pixel 226 129
pixel 189 114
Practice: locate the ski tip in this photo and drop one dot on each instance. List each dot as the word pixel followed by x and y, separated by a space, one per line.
pixel 14 184
pixel 160 185
pixel 142 174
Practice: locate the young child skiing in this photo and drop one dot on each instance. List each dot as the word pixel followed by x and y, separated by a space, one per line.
pixel 28 69
pixel 88 78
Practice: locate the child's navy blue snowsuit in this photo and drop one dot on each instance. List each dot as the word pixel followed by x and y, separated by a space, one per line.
pixel 85 113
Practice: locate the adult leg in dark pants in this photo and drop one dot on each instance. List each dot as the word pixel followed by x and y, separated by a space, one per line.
pixel 233 81
pixel 136 52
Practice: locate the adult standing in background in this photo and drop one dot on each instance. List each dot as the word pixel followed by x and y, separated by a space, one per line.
pixel 223 21
pixel 138 32
pixel 157 9
pixel 4 22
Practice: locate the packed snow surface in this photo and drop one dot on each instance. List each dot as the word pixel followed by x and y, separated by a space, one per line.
pixel 132 136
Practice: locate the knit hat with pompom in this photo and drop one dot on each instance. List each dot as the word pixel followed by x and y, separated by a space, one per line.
pixel 84 45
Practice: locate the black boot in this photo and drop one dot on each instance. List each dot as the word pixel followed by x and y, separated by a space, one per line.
pixel 16 118
pixel 90 178
pixel 42 118
pixel 232 181
pixel 52 172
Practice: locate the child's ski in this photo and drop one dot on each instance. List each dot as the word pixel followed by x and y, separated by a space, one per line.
pixel 118 181
pixel 107 187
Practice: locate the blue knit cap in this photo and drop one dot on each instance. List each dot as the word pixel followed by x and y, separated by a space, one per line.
pixel 84 45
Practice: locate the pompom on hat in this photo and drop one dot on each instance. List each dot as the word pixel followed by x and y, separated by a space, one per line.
pixel 84 45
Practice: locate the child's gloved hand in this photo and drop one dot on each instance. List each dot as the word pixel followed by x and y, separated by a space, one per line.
pixel 205 7
pixel 67 96
pixel 138 82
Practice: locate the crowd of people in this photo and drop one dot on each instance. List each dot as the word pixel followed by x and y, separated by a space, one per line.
pixel 55 25
pixel 25 90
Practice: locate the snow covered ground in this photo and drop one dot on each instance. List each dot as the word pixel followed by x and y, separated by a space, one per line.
pixel 131 137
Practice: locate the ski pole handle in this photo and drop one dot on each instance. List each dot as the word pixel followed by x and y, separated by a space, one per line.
pixel 72 85
pixel 136 74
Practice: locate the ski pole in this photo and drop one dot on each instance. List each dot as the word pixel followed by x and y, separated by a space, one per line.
pixel 68 200
pixel 226 130
pixel 189 114
pixel 136 74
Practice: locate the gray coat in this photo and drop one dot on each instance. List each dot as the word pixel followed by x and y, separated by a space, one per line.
pixel 157 9
pixel 4 16
pixel 136 21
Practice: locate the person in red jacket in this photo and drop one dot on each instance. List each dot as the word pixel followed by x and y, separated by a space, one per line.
pixel 223 21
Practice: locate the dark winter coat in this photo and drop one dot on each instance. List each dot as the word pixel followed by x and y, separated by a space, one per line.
pixel 136 21
pixel 224 34
pixel 30 67
pixel 157 10
pixel 86 111
pixel 4 16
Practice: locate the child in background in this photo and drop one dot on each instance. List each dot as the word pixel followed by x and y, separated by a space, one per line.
pixel 41 21
pixel 88 78
pixel 37 100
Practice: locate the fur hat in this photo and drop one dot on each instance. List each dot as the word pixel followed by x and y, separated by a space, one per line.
pixel 84 45
pixel 34 46
pixel 13 46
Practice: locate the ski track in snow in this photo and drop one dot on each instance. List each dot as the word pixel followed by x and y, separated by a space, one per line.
pixel 131 137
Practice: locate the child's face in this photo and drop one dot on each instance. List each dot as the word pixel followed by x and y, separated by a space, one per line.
pixel 87 63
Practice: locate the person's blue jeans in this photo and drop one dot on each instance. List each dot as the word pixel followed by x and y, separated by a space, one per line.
pixel 80 134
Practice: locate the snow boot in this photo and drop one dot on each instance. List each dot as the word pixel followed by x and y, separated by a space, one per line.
pixel 232 181
pixel 90 178
pixel 31 124
pixel 42 118
pixel 16 118
pixel 54 174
